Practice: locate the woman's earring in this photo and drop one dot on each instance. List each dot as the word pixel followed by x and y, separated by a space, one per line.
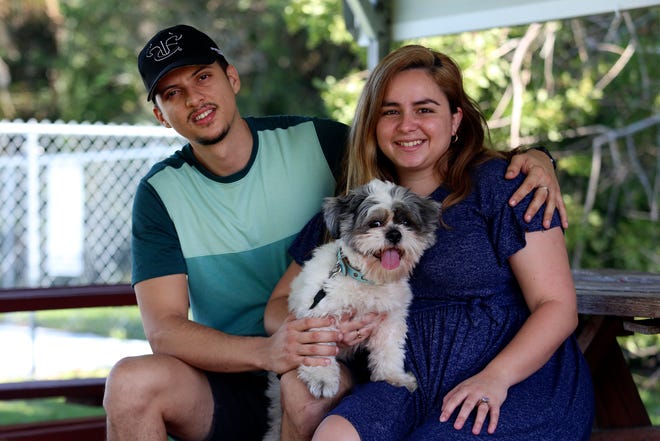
pixel 454 138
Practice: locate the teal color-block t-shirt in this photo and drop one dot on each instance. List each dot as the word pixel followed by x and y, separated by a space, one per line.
pixel 230 234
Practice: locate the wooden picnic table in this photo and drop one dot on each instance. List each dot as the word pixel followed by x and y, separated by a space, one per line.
pixel 613 303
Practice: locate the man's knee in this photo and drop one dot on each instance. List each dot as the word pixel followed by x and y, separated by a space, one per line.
pixel 161 390
pixel 134 382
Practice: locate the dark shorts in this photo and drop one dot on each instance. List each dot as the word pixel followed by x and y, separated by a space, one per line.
pixel 240 406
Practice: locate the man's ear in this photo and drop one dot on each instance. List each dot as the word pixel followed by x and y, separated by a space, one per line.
pixel 234 78
pixel 159 116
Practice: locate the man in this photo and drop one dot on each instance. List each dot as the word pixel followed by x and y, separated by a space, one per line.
pixel 211 227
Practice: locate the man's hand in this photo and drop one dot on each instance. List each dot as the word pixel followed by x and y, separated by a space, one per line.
pixel 540 176
pixel 309 341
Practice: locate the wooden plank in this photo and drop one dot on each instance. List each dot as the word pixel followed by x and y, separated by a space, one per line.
pixel 73 429
pixel 645 326
pixel 627 434
pixel 71 388
pixel 617 400
pixel 619 293
pixel 65 297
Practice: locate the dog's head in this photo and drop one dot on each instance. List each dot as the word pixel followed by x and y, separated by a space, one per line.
pixel 384 228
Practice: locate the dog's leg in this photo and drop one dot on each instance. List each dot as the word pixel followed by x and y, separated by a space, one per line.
pixel 322 381
pixel 386 352
pixel 274 409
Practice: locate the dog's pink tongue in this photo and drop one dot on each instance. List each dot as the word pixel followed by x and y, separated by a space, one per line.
pixel 390 259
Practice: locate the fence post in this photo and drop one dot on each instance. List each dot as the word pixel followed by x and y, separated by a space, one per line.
pixel 32 153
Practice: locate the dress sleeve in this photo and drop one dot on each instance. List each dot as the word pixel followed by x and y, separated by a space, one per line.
pixel 308 239
pixel 506 224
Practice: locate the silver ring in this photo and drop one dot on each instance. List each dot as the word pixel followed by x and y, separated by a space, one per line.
pixel 545 188
pixel 484 400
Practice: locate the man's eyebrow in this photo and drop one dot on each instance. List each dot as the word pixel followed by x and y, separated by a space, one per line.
pixel 164 87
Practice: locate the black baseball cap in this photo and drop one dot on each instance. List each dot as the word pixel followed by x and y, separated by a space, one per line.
pixel 173 47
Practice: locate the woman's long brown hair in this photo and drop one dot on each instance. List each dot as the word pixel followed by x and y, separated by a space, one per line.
pixel 364 161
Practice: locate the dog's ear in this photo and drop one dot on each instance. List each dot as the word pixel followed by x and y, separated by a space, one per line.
pixel 332 210
pixel 340 211
pixel 430 211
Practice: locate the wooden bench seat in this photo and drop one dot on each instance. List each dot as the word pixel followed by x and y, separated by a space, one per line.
pixel 88 391
pixel 71 429
pixel 610 302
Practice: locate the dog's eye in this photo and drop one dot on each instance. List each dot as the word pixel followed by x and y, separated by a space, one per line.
pixel 402 220
pixel 375 224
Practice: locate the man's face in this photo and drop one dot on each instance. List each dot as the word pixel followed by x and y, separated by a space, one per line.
pixel 198 101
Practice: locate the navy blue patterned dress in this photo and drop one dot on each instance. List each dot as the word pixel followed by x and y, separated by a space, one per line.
pixel 467 306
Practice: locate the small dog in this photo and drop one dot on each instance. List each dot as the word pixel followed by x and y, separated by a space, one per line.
pixel 381 231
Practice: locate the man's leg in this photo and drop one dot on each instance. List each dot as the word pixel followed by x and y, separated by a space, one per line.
pixel 149 396
pixel 301 412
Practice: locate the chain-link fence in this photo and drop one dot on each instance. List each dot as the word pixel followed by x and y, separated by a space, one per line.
pixel 66 193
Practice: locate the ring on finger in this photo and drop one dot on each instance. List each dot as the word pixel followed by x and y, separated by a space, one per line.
pixel 359 336
pixel 483 400
pixel 544 188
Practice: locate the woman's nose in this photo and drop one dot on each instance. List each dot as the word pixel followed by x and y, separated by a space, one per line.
pixel 407 122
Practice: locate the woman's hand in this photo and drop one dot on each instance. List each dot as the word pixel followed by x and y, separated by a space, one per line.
pixel 542 177
pixel 356 330
pixel 480 393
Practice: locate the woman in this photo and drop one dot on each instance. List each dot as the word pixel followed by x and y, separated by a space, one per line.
pixel 490 328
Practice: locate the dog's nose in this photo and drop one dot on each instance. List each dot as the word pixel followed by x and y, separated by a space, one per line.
pixel 394 236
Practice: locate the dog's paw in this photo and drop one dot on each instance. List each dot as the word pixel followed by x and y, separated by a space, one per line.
pixel 321 381
pixel 404 380
pixel 323 388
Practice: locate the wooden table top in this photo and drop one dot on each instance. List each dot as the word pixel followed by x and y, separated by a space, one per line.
pixel 618 292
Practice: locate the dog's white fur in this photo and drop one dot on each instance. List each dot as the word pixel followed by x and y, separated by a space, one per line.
pixel 382 230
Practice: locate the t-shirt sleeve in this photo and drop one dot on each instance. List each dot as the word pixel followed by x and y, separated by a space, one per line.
pixel 155 246
pixel 310 237
pixel 506 224
pixel 333 137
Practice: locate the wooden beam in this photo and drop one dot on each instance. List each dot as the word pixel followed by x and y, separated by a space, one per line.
pixel 66 297
pixel 73 429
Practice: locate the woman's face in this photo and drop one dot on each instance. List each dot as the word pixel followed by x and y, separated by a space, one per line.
pixel 415 125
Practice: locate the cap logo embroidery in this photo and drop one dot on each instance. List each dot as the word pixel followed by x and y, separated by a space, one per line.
pixel 165 48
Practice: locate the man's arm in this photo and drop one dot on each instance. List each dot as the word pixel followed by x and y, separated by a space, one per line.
pixel 539 168
pixel 163 303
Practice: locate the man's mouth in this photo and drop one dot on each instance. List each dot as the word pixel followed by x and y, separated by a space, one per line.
pixel 203 114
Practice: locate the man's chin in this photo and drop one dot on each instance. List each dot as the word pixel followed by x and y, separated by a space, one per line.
pixel 213 140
